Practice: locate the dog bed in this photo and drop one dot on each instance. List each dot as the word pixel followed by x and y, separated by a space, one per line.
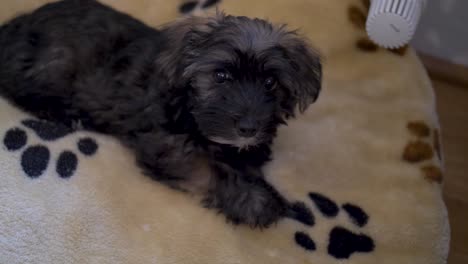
pixel 365 160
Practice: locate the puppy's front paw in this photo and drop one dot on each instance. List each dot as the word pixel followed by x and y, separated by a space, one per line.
pixel 255 204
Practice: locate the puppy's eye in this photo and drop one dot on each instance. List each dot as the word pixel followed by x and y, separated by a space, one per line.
pixel 270 83
pixel 221 76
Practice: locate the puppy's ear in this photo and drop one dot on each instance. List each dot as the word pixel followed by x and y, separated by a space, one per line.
pixel 306 74
pixel 183 39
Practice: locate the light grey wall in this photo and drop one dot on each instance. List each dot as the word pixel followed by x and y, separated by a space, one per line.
pixel 443 30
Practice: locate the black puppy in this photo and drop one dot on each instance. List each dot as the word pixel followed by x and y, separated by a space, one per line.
pixel 199 101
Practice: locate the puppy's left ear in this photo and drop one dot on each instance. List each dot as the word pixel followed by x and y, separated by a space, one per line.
pixel 184 41
pixel 306 73
pixel 181 45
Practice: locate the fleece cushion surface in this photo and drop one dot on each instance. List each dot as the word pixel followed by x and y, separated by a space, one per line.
pixel 365 160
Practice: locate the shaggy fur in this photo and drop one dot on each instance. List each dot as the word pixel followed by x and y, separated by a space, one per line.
pixel 198 101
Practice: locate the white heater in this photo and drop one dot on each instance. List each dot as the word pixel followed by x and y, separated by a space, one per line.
pixel 392 23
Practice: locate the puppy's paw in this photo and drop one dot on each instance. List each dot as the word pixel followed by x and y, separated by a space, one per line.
pixel 254 204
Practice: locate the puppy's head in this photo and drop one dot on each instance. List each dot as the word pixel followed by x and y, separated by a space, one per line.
pixel 246 76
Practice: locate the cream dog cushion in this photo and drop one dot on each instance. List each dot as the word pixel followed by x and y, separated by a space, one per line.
pixel 365 160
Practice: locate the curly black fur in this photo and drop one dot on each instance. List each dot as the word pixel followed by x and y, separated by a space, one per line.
pixel 199 101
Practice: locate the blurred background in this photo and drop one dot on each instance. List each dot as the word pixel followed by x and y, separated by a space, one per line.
pixel 442 41
pixel 443 30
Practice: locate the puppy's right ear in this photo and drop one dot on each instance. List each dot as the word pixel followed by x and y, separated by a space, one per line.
pixel 183 39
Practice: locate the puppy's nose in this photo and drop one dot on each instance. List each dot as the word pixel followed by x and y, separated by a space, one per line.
pixel 247 127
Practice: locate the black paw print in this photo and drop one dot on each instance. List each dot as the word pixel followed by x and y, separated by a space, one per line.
pixel 35 159
pixel 190 6
pixel 342 242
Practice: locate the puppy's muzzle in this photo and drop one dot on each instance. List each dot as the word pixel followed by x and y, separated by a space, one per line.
pixel 247 127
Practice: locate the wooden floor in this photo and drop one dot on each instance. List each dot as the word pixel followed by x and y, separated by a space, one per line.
pixel 452 103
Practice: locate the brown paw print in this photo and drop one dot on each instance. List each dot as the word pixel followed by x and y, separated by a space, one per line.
pixel 417 151
pixel 419 129
pixel 432 173
pixel 421 150
pixel 357 15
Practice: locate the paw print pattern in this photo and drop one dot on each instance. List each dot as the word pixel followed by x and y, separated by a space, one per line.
pixel 326 206
pixel 301 213
pixel 35 159
pixel 357 215
pixel 358 17
pixel 305 241
pixel 47 131
pixel 342 243
pixel 67 163
pixel 190 6
pixel 15 139
pixel 87 146
pixel 421 150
